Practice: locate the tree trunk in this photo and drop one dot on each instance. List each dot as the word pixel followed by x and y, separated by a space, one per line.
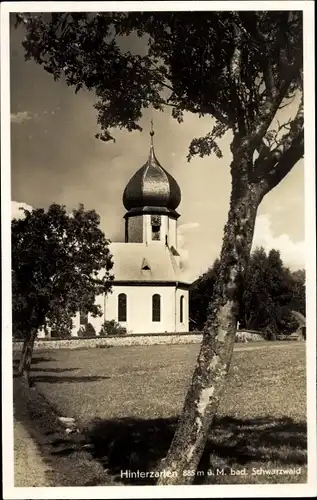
pixel 219 332
pixel 26 356
pixel 22 357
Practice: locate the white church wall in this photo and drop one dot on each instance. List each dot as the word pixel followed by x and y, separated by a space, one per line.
pixel 139 309
pixel 96 322
pixel 147 230
pixel 182 326
pixel 172 233
pixel 41 333
pixel 99 320
pixel 76 325
pixel 164 228
pixel 168 228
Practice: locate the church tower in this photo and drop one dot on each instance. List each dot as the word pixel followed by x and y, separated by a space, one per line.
pixel 151 198
pixel 150 287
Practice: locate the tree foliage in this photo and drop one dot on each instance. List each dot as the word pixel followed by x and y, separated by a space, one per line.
pixel 238 67
pixel 271 293
pixel 60 263
pixel 298 302
pixel 268 295
pixel 201 295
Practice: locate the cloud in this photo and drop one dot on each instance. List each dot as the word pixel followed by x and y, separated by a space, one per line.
pixel 16 212
pixel 182 243
pixel 22 116
pixel 292 253
pixel 198 249
pixel 182 230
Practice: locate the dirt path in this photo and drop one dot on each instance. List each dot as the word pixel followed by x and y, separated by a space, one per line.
pixel 29 467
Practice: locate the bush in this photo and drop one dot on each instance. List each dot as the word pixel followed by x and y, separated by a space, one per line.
pixel 61 333
pixel 59 327
pixel 112 328
pixel 86 331
pixel 269 333
pixel 17 334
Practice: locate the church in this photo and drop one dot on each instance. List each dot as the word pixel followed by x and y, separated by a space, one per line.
pixel 150 292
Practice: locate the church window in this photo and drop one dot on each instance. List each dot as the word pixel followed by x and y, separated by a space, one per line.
pixel 83 318
pixel 156 307
pixel 156 227
pixel 181 309
pixel 122 307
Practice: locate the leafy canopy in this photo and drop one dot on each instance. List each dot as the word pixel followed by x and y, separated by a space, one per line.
pixel 60 263
pixel 239 68
pixel 201 294
pixel 271 293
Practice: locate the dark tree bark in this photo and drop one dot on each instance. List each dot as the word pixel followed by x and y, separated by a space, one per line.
pixel 219 333
pixel 22 357
pixel 26 356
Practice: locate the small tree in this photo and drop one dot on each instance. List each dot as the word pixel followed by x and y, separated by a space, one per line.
pixel 60 324
pixel 60 263
pixel 111 328
pixel 201 295
pixel 279 283
pixel 87 331
pixel 266 301
pixel 298 302
pixel 255 295
pixel 270 294
pixel 237 68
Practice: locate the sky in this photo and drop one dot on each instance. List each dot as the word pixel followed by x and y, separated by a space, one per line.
pixel 56 158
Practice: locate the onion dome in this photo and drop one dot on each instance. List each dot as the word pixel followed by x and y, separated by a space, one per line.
pixel 152 189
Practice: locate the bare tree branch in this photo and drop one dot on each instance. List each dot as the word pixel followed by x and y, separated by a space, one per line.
pixel 269 109
pixel 270 86
pixel 235 63
pixel 288 103
pixel 296 129
pixel 272 139
pixel 273 165
pixel 282 167
pixel 235 69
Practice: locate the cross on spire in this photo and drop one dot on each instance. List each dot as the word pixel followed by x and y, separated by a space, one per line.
pixel 152 133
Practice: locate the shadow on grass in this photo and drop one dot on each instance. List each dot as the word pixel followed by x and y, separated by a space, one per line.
pixel 97 455
pixel 35 360
pixel 52 370
pixel 136 444
pixel 50 379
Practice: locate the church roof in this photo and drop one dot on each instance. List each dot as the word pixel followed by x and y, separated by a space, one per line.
pixel 136 262
pixel 152 186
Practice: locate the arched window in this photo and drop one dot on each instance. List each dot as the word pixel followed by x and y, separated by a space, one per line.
pixel 181 309
pixel 122 307
pixel 83 318
pixel 156 227
pixel 156 307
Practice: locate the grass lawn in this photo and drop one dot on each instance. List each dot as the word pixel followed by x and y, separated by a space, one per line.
pixel 127 400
